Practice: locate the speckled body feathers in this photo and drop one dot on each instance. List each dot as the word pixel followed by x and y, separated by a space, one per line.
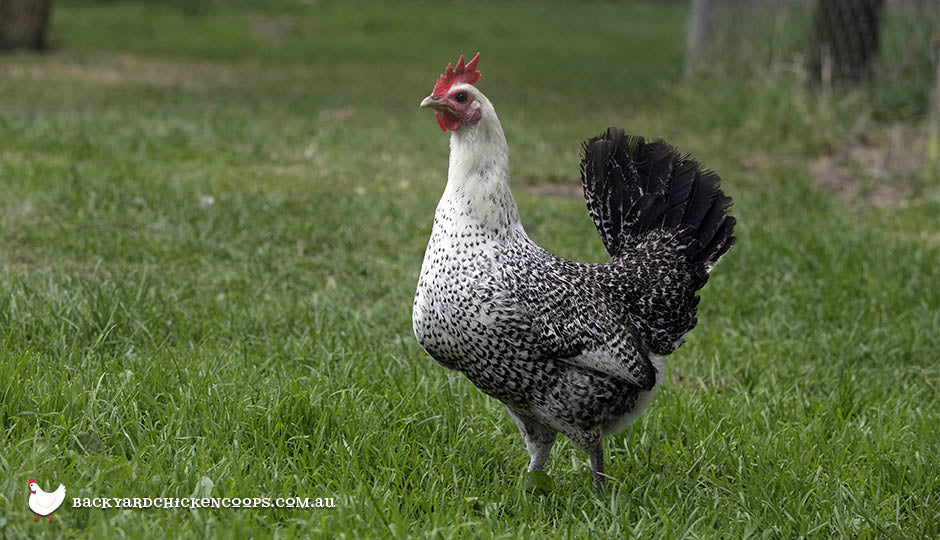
pixel 569 347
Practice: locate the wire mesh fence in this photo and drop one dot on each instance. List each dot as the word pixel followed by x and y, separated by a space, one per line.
pixel 858 79
pixel 891 45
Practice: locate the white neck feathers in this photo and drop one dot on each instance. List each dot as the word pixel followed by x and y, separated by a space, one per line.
pixel 478 173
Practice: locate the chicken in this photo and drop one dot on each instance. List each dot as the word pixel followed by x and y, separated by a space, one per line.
pixel 43 503
pixel 568 347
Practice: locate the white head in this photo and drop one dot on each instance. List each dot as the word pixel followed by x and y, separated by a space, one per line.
pixel 460 107
pixel 478 172
pixel 456 102
pixel 477 139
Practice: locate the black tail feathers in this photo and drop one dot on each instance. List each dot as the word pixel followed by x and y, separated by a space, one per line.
pixel 633 187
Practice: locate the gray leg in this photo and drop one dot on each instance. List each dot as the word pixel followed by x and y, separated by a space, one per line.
pixel 597 464
pixel 593 445
pixel 538 439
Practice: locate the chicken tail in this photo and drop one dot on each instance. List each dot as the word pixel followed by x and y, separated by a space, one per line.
pixel 633 187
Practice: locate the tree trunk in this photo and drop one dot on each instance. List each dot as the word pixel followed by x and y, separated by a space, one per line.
pixel 23 23
pixel 847 33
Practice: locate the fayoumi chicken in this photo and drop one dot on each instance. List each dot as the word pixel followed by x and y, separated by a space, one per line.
pixel 568 347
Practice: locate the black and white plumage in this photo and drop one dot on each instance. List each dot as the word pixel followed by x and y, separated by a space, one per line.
pixel 568 347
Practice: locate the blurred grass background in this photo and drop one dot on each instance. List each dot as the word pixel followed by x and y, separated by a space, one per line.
pixel 212 220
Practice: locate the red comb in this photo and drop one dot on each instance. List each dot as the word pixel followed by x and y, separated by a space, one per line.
pixel 463 73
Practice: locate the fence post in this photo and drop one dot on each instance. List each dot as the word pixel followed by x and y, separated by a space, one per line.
pixel 698 33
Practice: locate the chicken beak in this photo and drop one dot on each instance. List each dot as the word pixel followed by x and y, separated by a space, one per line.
pixel 432 101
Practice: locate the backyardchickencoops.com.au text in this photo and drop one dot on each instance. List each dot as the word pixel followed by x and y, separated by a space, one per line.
pixel 170 503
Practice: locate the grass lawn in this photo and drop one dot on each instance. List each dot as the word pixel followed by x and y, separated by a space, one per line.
pixel 212 221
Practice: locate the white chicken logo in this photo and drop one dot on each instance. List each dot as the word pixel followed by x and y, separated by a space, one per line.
pixel 44 503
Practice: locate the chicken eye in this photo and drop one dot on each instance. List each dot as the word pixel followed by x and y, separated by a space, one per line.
pixel 461 97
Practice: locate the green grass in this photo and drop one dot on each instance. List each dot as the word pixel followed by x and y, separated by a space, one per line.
pixel 151 337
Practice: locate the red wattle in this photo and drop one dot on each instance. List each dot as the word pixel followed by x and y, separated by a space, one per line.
pixel 447 121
